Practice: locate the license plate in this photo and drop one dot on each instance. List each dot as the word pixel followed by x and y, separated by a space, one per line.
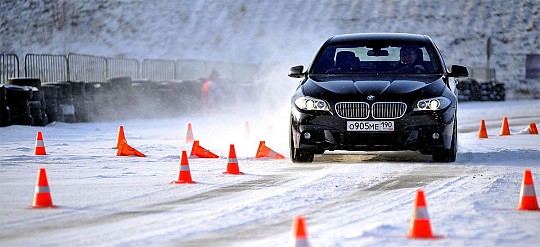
pixel 370 125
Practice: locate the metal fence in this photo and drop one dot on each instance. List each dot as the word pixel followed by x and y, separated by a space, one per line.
pixel 190 69
pixel 87 68
pixel 158 69
pixel 193 69
pixel 9 67
pixel 122 67
pixel 48 68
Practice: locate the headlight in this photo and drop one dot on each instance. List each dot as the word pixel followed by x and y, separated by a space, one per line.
pixel 432 104
pixel 311 104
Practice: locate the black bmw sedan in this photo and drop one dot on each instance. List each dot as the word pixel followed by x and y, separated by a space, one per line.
pixel 375 92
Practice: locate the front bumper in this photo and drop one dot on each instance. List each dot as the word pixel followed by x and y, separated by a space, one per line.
pixel 413 131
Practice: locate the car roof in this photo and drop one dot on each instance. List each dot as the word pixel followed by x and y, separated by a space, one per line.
pixel 345 38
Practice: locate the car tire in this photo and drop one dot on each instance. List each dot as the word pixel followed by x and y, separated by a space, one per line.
pixel 447 155
pixel 300 155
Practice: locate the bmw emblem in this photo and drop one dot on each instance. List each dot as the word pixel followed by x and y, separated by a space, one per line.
pixel 370 97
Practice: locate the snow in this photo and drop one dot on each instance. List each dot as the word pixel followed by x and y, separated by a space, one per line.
pixel 348 198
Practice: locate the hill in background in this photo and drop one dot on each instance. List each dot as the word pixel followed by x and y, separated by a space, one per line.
pixel 281 32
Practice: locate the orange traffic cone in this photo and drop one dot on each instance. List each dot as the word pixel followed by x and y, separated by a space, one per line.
pixel 189 134
pixel 420 226
pixel 40 146
pixel 264 152
pixel 198 151
pixel 232 165
pixel 120 137
pixel 184 177
pixel 532 129
pixel 42 197
pixel 482 132
pixel 505 130
pixel 299 232
pixel 527 196
pixel 126 150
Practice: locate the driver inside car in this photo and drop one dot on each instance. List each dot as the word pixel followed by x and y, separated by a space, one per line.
pixel 409 60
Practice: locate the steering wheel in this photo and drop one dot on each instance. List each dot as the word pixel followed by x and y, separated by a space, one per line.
pixel 408 69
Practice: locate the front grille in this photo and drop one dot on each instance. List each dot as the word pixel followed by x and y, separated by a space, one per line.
pixel 358 110
pixel 388 110
pixel 379 110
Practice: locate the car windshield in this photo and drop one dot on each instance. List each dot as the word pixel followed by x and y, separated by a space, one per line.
pixel 376 57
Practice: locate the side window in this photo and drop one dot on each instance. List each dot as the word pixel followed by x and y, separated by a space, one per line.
pixel 425 55
pixel 325 61
pixel 428 60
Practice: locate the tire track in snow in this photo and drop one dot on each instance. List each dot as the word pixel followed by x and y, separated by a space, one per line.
pixel 368 195
pixel 73 219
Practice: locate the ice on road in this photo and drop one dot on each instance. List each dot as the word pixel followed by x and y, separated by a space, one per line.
pixel 348 198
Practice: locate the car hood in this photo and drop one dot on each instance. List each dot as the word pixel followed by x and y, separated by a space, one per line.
pixel 358 87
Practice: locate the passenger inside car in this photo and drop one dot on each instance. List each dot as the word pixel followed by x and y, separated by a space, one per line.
pixel 346 61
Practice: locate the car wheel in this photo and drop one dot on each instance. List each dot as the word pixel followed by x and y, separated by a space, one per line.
pixel 299 155
pixel 447 155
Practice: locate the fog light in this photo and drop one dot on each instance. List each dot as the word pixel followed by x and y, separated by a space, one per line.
pixel 307 135
pixel 435 136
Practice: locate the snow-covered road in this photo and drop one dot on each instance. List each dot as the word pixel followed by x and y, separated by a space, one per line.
pixel 348 199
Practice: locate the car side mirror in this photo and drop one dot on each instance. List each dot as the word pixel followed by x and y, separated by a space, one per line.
pixel 296 71
pixel 458 71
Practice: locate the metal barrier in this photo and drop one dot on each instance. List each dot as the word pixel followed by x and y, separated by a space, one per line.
pixel 158 70
pixel 190 69
pixel 223 69
pixel 79 67
pixel 122 67
pixel 194 69
pixel 87 68
pixel 9 67
pixel 48 68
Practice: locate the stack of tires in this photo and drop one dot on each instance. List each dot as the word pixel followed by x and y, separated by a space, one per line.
pixel 62 97
pixel 468 90
pixel 143 103
pixel 175 98
pixel 81 102
pixel 38 107
pixel 472 90
pixel 492 91
pixel 50 91
pixel 26 101
pixel 100 102
pixel 122 97
pixel 164 97
pixel 17 101
pixel 65 102
pixel 5 118
pixel 189 95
